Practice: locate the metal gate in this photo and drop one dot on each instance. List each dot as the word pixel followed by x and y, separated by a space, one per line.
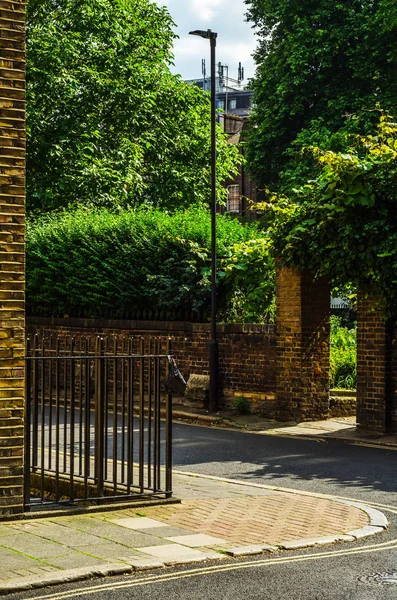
pixel 93 420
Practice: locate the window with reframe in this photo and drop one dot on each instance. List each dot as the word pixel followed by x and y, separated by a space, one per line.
pixel 233 199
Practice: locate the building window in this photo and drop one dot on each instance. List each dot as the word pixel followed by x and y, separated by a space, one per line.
pixel 233 199
pixel 232 104
pixel 221 104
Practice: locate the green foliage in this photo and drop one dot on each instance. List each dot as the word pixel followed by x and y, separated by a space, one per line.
pixel 343 356
pixel 249 275
pixel 100 263
pixel 241 406
pixel 107 122
pixel 318 61
pixel 343 223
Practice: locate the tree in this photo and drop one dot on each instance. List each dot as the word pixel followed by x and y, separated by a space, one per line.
pixel 108 124
pixel 318 61
pixel 343 222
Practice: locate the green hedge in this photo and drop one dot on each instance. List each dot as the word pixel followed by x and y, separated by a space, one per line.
pixel 104 264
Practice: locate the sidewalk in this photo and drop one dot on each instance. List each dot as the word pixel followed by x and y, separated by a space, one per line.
pixel 338 429
pixel 216 519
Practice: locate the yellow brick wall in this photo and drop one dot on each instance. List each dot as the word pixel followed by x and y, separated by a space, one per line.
pixel 12 238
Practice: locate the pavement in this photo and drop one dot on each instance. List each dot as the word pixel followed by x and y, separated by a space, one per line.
pixel 216 519
pixel 341 429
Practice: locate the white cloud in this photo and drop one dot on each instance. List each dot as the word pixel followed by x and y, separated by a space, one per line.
pixel 236 41
pixel 206 10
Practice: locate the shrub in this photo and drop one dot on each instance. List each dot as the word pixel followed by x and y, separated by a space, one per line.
pixel 241 406
pixel 95 263
pixel 343 359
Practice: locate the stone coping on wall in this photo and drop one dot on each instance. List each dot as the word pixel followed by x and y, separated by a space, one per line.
pixel 171 326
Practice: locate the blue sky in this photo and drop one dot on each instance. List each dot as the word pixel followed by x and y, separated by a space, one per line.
pixel 236 40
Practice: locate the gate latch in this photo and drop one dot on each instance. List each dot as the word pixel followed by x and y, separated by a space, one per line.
pixel 175 383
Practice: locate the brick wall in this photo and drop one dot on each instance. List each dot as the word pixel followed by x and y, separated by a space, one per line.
pixel 303 325
pixel 392 413
pixel 247 353
pixel 12 211
pixel 373 363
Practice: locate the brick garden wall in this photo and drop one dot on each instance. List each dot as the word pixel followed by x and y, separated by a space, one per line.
pixel 12 273
pixel 247 353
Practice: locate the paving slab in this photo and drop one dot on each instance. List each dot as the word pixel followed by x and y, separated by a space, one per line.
pixel 174 553
pixel 75 560
pixel 72 538
pixel 138 523
pixel 10 560
pixel 112 552
pixel 122 535
pixel 216 517
pixel 38 547
pixel 168 531
pixel 196 540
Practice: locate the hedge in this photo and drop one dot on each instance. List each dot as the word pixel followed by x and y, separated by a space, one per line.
pixel 97 263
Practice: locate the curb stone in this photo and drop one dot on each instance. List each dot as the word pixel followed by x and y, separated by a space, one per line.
pixel 298 544
pixel 377 518
pixel 249 550
pixel 378 523
pixel 365 531
pixel 66 576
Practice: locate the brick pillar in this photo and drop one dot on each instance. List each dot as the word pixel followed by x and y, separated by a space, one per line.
pixel 373 363
pixel 392 422
pixel 303 328
pixel 12 273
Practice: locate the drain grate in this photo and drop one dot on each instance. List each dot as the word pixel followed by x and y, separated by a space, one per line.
pixel 387 578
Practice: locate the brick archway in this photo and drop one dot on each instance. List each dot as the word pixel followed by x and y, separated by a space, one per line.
pixel 303 329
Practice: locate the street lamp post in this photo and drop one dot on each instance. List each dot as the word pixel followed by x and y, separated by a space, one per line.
pixel 214 361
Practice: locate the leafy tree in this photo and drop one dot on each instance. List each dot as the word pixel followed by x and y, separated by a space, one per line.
pixel 108 124
pixel 318 62
pixel 343 222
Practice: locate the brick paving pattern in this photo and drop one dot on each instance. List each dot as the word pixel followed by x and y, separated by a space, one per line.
pixel 255 519
pixel 216 517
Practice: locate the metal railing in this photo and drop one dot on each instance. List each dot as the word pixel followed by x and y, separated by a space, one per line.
pixel 93 428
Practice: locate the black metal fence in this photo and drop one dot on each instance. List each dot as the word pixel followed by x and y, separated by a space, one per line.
pixel 93 428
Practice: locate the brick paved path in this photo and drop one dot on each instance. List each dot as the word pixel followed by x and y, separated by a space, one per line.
pixel 268 519
pixel 216 518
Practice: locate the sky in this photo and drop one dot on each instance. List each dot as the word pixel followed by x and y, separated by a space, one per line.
pixel 235 43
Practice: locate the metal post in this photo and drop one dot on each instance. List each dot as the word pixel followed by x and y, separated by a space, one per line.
pixel 28 418
pixel 227 83
pixel 213 406
pixel 168 433
pixel 99 416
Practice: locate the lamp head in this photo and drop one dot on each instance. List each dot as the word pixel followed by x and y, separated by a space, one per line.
pixel 204 34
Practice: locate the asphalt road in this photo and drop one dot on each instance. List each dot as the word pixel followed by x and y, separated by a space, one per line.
pixel 363 473
pixel 359 571
pixel 315 466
